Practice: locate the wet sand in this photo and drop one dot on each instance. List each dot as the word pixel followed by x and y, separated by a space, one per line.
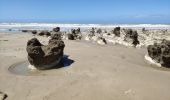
pixel 109 72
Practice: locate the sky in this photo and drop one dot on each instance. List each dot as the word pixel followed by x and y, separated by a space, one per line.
pixel 86 11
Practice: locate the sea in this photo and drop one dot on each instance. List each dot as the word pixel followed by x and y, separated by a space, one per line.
pixel 5 27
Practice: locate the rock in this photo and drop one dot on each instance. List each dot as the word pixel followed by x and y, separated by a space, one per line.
pixel 131 36
pixel 34 32
pixel 92 31
pixel 56 36
pixel 70 36
pixel 99 31
pixel 31 31
pixel 116 31
pixel 101 41
pixel 160 52
pixel 46 33
pixel 75 34
pixel 3 96
pixel 9 29
pixel 25 30
pixel 57 29
pixel 45 56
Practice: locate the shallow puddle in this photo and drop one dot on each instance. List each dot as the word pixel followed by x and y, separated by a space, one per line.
pixel 22 68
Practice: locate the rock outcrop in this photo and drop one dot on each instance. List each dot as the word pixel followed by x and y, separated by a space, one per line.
pixel 57 29
pixel 116 31
pixel 45 56
pixel 70 37
pixel 75 34
pixel 99 31
pixel 31 31
pixel 44 33
pixel 131 36
pixel 160 52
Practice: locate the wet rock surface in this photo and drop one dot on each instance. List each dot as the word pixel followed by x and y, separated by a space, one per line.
pixel 160 52
pixel 45 56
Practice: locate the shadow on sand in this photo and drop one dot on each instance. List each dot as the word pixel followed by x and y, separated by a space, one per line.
pixel 65 62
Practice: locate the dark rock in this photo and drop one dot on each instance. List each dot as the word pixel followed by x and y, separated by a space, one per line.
pixel 45 56
pixel 99 31
pixel 55 37
pixel 71 37
pixel 103 39
pixel 46 33
pixel 57 29
pixel 25 30
pixel 108 34
pixel 133 35
pixel 34 32
pixel 160 52
pixel 75 34
pixel 9 29
pixel 116 31
pixel 92 31
pixel 143 29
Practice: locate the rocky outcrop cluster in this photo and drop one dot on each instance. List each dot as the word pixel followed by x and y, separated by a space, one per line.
pixel 75 34
pixel 160 52
pixel 44 33
pixel 131 36
pixel 96 36
pixel 31 31
pixel 45 56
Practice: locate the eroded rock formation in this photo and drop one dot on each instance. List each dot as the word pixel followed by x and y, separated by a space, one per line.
pixel 131 36
pixel 75 34
pixel 45 56
pixel 160 52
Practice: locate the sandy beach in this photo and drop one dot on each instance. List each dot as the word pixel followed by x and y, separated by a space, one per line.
pixel 108 72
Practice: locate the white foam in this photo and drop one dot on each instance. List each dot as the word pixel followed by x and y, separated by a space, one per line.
pixel 52 25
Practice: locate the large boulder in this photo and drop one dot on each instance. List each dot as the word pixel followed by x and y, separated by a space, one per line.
pixel 160 52
pixel 131 36
pixel 45 56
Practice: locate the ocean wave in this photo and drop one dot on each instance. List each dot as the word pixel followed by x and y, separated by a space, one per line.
pixel 51 25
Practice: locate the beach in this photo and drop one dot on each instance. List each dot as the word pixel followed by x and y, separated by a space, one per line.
pixel 97 72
